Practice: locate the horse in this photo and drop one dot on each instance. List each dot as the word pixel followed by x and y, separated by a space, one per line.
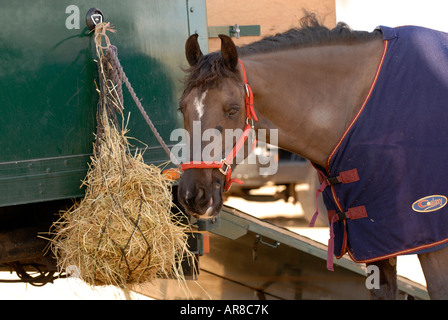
pixel 310 86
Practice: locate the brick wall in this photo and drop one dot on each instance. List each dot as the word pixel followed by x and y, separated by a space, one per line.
pixel 273 16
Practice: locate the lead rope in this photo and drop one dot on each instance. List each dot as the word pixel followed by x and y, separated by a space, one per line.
pixel 119 75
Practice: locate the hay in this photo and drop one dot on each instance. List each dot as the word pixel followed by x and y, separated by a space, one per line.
pixel 123 232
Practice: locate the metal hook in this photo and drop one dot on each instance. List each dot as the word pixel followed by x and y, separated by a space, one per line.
pixel 94 16
pixel 236 31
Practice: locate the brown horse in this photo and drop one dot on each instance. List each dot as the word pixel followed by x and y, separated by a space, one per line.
pixel 308 84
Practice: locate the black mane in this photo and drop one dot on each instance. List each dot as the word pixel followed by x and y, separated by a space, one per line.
pixel 310 33
pixel 211 68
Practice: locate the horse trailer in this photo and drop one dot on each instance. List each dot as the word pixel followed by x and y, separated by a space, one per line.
pixel 48 101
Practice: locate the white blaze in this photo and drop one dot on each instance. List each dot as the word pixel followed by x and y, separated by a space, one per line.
pixel 199 104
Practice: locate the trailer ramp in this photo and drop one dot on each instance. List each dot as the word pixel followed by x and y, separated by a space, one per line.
pixel 250 258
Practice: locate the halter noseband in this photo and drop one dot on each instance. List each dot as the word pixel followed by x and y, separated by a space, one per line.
pixel 224 165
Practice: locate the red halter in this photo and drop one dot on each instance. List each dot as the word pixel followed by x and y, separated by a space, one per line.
pixel 224 165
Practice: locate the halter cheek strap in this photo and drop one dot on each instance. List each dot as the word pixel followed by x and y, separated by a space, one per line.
pixel 224 165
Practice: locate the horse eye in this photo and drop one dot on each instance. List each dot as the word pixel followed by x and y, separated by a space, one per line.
pixel 232 111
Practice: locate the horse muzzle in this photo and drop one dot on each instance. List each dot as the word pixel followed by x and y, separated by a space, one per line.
pixel 199 199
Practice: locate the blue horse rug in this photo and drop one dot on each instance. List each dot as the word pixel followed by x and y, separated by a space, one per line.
pixel 386 181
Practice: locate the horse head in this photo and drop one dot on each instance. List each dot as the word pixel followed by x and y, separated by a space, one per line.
pixel 213 104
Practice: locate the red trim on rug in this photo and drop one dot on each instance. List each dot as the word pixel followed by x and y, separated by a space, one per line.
pixel 355 118
pixel 372 86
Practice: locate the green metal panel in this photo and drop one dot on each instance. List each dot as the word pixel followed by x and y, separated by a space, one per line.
pixel 197 21
pixel 47 92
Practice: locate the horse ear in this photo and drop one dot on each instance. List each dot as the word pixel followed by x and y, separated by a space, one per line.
pixel 192 50
pixel 228 51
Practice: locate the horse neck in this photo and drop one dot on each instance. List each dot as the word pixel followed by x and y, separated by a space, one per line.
pixel 311 94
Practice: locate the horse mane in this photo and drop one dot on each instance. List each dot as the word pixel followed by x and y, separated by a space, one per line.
pixel 310 33
pixel 211 69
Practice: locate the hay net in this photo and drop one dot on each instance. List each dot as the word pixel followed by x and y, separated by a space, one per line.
pixel 126 230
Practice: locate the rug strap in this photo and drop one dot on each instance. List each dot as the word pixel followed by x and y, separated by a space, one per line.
pixel 344 177
pixel 352 214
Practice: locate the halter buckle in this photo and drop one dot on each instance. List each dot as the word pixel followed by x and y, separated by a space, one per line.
pixel 246 87
pixel 250 122
pixel 226 165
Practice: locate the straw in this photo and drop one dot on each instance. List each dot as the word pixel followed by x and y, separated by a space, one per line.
pixel 126 230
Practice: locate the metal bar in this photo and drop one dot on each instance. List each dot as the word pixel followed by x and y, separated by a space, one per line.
pixel 248 30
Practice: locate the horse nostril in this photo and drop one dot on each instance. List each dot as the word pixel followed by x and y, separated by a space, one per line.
pixel 192 199
pixel 200 195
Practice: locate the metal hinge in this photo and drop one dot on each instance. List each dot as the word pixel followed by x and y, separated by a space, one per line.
pixel 234 31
